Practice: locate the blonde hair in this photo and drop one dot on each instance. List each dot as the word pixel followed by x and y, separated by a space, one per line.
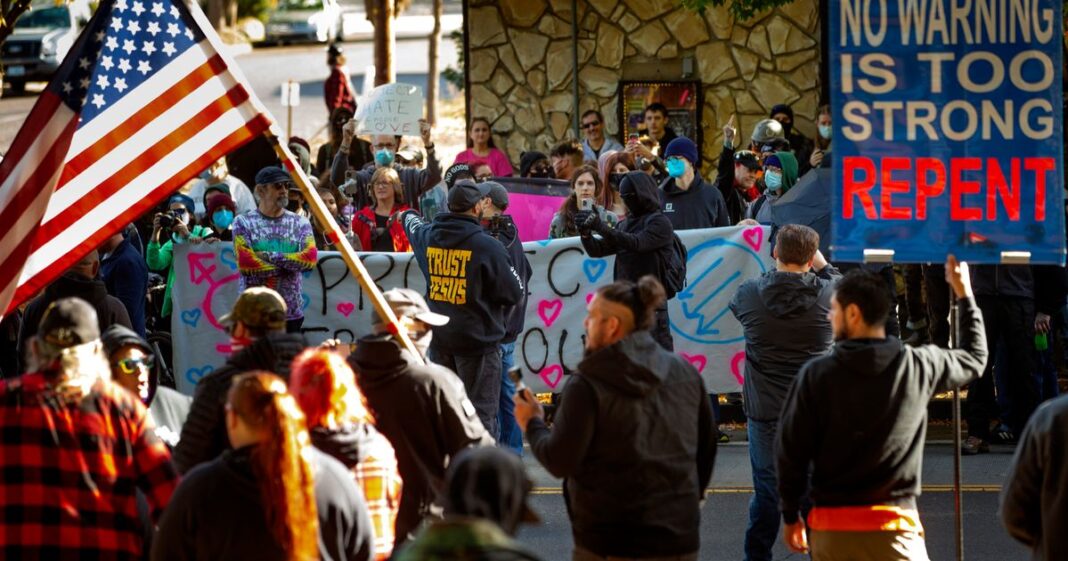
pixel 389 174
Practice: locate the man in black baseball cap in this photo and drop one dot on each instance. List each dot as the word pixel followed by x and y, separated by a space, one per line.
pixel 470 279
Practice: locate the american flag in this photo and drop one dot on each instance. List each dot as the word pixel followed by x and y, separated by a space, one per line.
pixel 143 102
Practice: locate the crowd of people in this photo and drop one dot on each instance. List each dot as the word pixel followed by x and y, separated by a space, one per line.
pixel 381 451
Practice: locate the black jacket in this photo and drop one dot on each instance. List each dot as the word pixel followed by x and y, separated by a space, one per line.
pixel 732 198
pixel 635 439
pixel 125 275
pixel 1034 502
pixel 469 277
pixel 350 444
pixel 109 310
pixel 858 417
pixel 1003 280
pixel 700 206
pixel 424 412
pixel 643 238
pixel 515 317
pixel 217 513
pixel 784 318
pixel 204 433
pixel 415 181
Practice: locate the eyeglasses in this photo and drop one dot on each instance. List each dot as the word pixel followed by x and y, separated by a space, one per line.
pixel 381 184
pixel 287 185
pixel 382 146
pixel 133 365
pixel 180 211
pixel 591 124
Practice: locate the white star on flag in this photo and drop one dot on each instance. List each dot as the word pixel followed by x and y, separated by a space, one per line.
pixel 189 34
pixel 106 62
pixel 128 46
pixel 138 8
pixel 121 5
pixel 168 48
pixel 100 36
pixel 112 43
pixel 116 24
pixel 157 9
pixel 83 84
pixel 174 12
pixel 102 80
pixel 124 65
pixel 148 48
pixel 83 63
pixel 67 88
pixel 153 28
pixel 98 100
pixel 133 26
pixel 120 84
pixel 172 29
pixel 143 67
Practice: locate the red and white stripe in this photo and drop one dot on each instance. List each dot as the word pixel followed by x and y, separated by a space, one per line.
pixel 63 192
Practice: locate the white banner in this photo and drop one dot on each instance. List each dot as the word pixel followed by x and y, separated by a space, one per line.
pixel 564 278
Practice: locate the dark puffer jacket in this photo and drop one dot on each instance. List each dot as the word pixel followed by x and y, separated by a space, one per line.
pixel 204 433
pixel 635 439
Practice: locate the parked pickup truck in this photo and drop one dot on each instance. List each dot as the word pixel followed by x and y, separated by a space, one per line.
pixel 41 38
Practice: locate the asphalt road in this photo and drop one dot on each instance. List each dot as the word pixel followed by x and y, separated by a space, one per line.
pixel 725 512
pixel 268 67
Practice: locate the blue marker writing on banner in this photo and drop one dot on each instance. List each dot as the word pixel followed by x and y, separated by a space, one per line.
pixel 191 317
pixel 594 268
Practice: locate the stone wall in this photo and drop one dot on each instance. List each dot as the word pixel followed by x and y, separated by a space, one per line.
pixel 519 64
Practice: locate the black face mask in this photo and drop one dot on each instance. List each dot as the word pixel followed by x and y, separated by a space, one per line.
pixel 293 205
pixel 614 179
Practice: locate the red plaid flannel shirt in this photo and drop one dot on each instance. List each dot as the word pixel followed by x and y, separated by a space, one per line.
pixel 379 478
pixel 71 469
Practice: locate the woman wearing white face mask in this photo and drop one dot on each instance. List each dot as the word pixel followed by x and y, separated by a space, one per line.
pixel 780 174
pixel 176 226
pixel 820 155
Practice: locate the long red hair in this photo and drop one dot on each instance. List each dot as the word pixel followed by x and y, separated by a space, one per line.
pixel 281 462
pixel 325 387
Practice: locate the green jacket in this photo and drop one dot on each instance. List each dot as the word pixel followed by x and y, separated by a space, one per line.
pixel 161 257
pixel 459 538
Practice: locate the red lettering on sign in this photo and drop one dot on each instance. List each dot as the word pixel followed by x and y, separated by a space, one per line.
pixel 859 189
pixel 892 186
pixel 1009 191
pixel 958 187
pixel 926 187
pixel 1040 166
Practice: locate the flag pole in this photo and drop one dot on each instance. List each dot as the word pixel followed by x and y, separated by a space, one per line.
pixel 334 236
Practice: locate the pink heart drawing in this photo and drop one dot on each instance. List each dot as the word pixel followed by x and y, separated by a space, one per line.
pixel 698 361
pixel 589 297
pixel 549 310
pixel 346 308
pixel 552 375
pixel 754 237
pixel 737 363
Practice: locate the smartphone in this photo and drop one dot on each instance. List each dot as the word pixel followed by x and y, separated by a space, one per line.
pixel 633 137
pixel 586 204
pixel 516 375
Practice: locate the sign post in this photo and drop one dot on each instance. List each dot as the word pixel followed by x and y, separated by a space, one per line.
pixel 290 99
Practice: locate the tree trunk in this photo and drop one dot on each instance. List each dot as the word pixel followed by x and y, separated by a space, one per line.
pixel 231 13
pixel 216 14
pixel 384 42
pixel 432 77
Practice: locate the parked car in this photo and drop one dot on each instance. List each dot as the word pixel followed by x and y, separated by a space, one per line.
pixel 304 20
pixel 40 40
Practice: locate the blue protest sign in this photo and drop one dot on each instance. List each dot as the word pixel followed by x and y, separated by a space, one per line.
pixel 947 130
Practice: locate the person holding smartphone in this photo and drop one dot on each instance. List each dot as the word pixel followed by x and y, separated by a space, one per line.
pixel 586 187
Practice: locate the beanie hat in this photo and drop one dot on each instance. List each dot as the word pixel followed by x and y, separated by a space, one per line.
pixel 684 148
pixel 527 161
pixel 221 201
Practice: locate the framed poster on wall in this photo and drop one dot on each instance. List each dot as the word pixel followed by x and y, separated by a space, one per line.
pixel 682 99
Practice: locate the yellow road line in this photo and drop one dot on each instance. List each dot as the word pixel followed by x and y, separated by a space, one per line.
pixel 749 490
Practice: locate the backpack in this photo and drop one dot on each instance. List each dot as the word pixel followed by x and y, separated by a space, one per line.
pixel 672 267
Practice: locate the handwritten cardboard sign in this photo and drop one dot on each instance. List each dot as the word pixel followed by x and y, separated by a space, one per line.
pixel 391 109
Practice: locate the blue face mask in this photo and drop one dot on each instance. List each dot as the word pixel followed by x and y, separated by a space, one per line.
pixel 825 131
pixel 773 180
pixel 675 167
pixel 223 218
pixel 384 157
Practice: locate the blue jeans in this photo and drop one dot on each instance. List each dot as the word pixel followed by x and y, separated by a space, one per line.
pixel 511 437
pixel 764 514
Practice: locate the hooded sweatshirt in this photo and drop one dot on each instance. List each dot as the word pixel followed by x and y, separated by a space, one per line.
pixel 644 237
pixel 635 439
pixel 784 318
pixel 125 275
pixel 217 513
pixel 204 433
pixel 109 310
pixel 469 277
pixel 760 209
pixel 856 419
pixel 424 412
pixel 516 316
pixel 700 206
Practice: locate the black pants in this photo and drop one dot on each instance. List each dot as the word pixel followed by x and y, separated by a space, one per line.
pixel 934 280
pixel 1009 321
pixel 293 325
pixel 917 310
pixel 661 330
pixel 481 375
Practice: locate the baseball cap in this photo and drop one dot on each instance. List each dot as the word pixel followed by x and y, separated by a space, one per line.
pixel 455 173
pixel 272 174
pixel 747 158
pixel 258 307
pixel 498 194
pixel 69 322
pixel 406 302
pixel 465 194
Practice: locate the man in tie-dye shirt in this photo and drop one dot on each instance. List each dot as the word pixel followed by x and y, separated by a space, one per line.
pixel 275 246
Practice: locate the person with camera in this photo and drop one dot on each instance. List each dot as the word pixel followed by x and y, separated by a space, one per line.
pixel 633 438
pixel 644 244
pixel 176 226
pixel 503 229
pixel 372 224
pixel 586 187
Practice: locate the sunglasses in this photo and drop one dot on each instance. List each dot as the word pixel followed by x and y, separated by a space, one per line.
pixel 590 124
pixel 132 365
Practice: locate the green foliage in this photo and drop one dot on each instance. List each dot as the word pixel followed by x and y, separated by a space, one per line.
pixel 254 8
pixel 740 9
pixel 452 75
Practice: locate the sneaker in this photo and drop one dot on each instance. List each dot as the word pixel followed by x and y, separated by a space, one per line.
pixel 1003 435
pixel 974 445
pixel 724 438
